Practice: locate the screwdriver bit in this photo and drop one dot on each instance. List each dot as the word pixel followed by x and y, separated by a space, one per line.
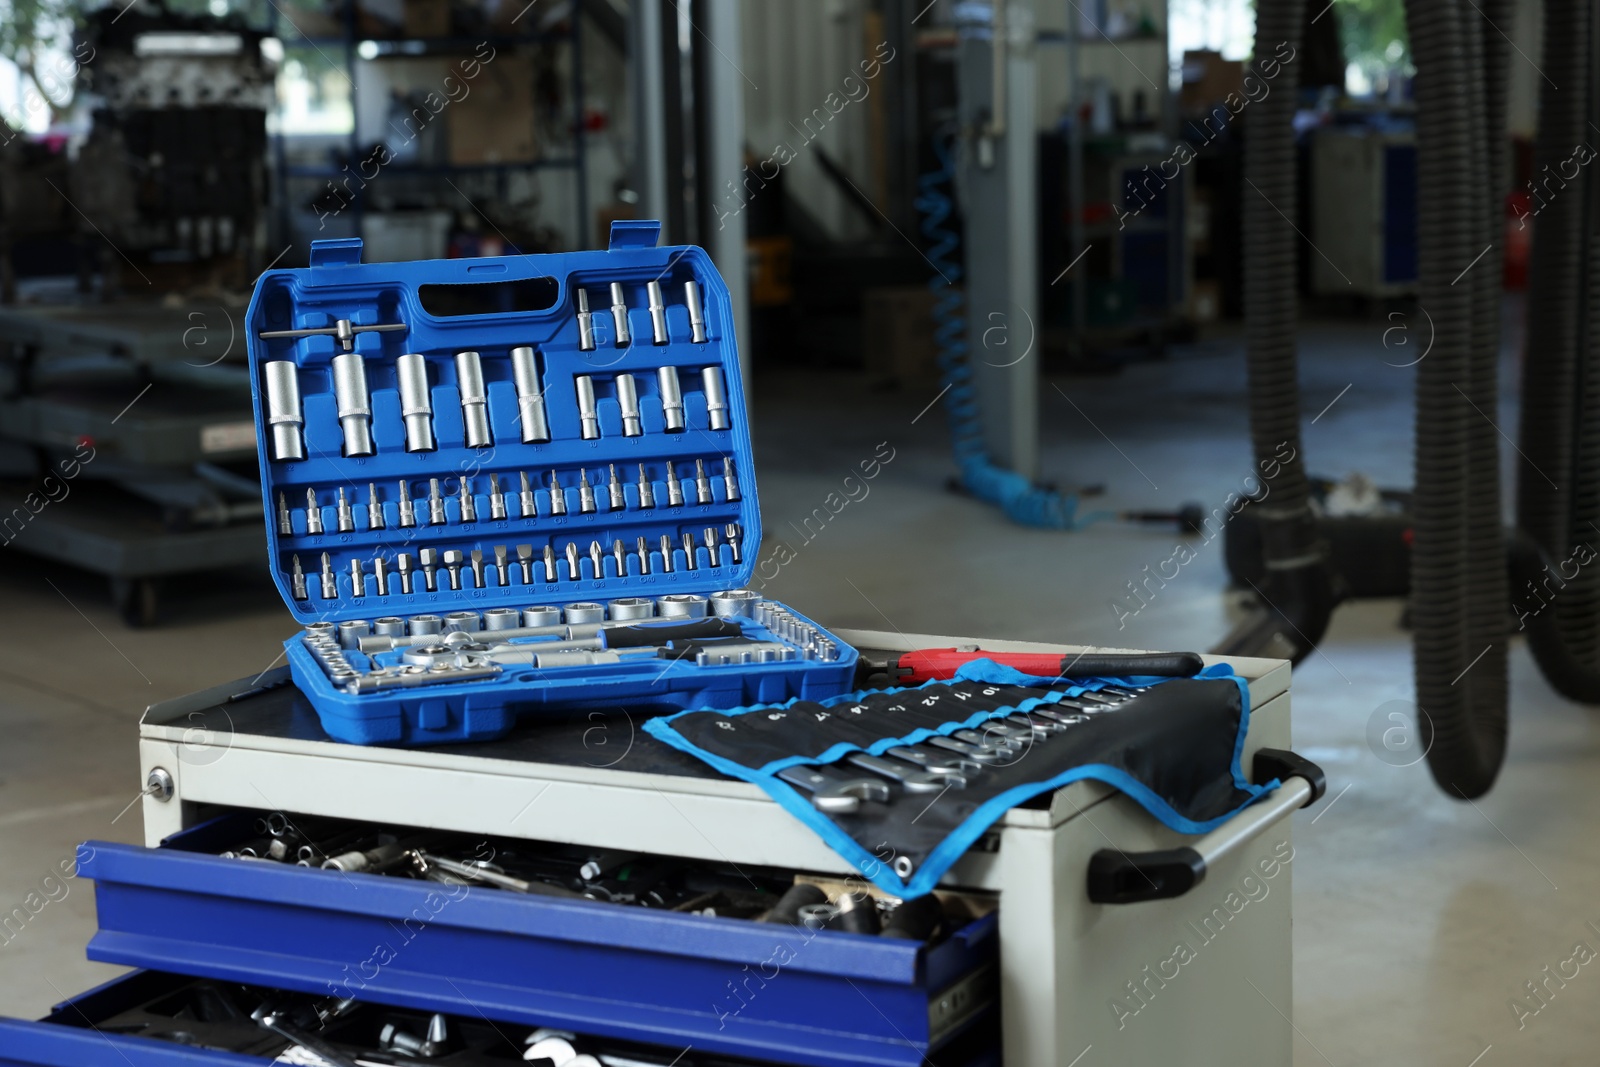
pixel 380 577
pixel 702 484
pixel 530 503
pixel 666 554
pixel 469 503
pixel 500 576
pixel 647 491
pixel 330 586
pixel 618 499
pixel 621 555
pixel 358 581
pixel 452 564
pixel 674 487
pixel 436 514
pixel 585 494
pixel 408 511
pixel 374 508
pixel 572 562
pixel 644 557
pixel 497 499
pixel 730 481
pixel 525 561
pixel 733 533
pixel 285 523
pixel 477 568
pixel 688 551
pixel 347 519
pixel 595 554
pixel 313 513
pixel 402 564
pixel 549 563
pixel 297 579
pixel 711 546
pixel 558 496
pixel 429 558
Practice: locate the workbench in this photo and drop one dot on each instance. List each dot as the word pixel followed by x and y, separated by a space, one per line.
pixel 1073 975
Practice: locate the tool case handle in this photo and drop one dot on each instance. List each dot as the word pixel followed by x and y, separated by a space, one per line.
pixel 1118 877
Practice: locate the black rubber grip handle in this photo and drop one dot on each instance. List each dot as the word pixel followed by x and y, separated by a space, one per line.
pixel 644 634
pixel 1117 877
pixel 1115 665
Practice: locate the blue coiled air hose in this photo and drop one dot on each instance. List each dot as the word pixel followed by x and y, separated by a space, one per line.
pixel 1022 501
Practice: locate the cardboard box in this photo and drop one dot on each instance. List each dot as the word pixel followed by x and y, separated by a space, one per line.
pixel 427 18
pixel 494 123
pixel 897 336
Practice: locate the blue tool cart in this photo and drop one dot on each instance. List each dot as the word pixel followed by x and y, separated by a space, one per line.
pixel 516 485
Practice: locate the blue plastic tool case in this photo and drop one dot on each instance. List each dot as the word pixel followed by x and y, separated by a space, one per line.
pixel 832 999
pixel 543 351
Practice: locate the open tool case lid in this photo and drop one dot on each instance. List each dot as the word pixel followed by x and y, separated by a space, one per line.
pixel 509 301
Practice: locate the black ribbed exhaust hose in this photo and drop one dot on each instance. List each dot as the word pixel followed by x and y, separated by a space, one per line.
pixel 1457 624
pixel 1299 592
pixel 1559 482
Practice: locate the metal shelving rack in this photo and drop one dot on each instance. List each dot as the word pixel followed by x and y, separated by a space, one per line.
pixel 349 41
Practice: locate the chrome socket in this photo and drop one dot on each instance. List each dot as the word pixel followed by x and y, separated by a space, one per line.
pixel 466 622
pixel 716 391
pixel 584 612
pixel 585 323
pixel 628 401
pixel 658 313
pixel 619 315
pixel 283 410
pixel 530 395
pixel 671 399
pixel 682 606
pixel 588 413
pixel 697 314
pixel 735 603
pixel 502 619
pixel 632 607
pixel 474 399
pixel 416 402
pixel 541 615
pixel 355 404
pixel 351 631
pixel 389 626
pixel 425 625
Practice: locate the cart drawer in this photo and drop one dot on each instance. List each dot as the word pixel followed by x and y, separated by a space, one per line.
pixel 158 1019
pixel 769 991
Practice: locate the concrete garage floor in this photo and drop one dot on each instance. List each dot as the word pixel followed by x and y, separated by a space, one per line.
pixel 1418 918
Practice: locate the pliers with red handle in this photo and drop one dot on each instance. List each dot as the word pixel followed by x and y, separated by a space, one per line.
pixel 914 668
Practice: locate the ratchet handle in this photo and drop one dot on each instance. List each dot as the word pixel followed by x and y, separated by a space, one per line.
pixel 914 668
pixel 644 634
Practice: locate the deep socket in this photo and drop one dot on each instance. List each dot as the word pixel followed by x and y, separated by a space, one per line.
pixel 671 399
pixel 697 315
pixel 474 399
pixel 716 391
pixel 628 401
pixel 530 395
pixel 619 315
pixel 283 410
pixel 416 402
pixel 588 414
pixel 355 405
pixel 585 323
pixel 658 313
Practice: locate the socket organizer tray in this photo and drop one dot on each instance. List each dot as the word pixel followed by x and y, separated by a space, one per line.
pixel 516 485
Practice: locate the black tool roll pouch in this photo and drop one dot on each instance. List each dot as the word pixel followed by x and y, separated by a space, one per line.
pixel 1001 738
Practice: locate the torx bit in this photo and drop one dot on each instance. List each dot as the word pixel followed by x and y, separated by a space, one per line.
pixel 644 557
pixel 621 555
pixel 619 315
pixel 595 554
pixel 585 323
pixel 429 558
pixel 477 569
pixel 313 513
pixel 436 513
pixel 558 496
pixel 549 563
pixel 573 571
pixel 497 499
pixel 733 532
pixel 525 561
pixel 730 481
pixel 619 500
pixel 408 511
pixel 380 576
pixel 688 550
pixel 452 564
pixel 702 484
pixel 711 546
pixel 500 576
pixel 658 313
pixel 697 314
pixel 358 581
pixel 402 564
pixel 469 503
pixel 330 585
pixel 674 487
pixel 647 490
pixel 530 503
pixel 347 519
pixel 285 523
pixel 297 579
pixel 666 554
pixel 374 508
pixel 586 503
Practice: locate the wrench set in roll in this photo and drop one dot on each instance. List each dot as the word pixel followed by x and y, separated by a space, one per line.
pixel 584 447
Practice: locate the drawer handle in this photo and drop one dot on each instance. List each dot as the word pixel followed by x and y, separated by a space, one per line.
pixel 1117 877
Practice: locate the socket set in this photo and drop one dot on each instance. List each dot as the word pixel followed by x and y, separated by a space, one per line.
pixel 575 439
